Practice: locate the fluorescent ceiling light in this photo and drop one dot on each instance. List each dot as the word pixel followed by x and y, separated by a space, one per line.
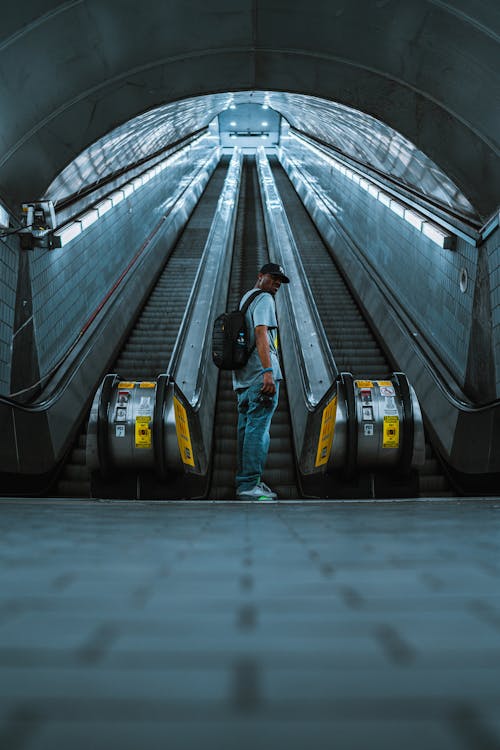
pixel 443 239
pixel 104 206
pixel 4 218
pixel 69 232
pixel 397 208
pixel 89 218
pixel 117 197
pixel 413 218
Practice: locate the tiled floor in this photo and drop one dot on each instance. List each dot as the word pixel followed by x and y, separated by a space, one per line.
pixel 245 626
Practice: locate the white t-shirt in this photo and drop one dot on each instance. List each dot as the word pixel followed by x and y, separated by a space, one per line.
pixel 261 312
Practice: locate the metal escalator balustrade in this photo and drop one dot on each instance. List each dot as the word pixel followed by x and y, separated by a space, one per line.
pixel 387 431
pixel 148 348
pixel 356 348
pixel 250 253
pixel 353 344
pixel 166 425
pixel 38 435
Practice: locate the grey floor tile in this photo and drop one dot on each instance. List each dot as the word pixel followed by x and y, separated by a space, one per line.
pixel 225 625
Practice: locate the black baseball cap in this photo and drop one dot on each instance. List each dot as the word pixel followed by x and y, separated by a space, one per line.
pixel 275 270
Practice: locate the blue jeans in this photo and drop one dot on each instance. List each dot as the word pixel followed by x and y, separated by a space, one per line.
pixel 254 421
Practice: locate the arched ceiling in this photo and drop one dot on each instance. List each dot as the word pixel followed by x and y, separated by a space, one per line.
pixel 70 72
pixel 355 134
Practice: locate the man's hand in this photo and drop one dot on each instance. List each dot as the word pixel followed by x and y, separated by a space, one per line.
pixel 268 385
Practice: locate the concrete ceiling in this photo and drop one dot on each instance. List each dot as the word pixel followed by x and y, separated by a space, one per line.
pixel 70 72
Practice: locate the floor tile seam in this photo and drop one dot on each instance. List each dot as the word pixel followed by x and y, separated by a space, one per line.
pixel 81 502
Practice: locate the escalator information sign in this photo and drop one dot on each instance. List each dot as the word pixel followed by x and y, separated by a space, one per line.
pixel 326 433
pixel 143 432
pixel 391 432
pixel 183 436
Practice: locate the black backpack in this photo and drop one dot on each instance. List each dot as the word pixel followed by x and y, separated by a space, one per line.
pixel 230 348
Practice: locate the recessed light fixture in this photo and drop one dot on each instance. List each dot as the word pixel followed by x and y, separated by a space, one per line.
pixel 264 124
pixel 233 124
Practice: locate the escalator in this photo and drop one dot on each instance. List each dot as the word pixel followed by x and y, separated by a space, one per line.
pixel 353 343
pixel 250 253
pixel 149 345
pixel 148 348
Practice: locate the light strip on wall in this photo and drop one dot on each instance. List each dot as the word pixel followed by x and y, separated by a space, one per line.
pixel 69 231
pixel 418 221
pixel 4 218
pixel 104 206
pixel 89 218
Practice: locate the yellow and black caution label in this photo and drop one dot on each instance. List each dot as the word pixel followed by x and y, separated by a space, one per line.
pixel 384 383
pixel 364 383
pixel 326 432
pixel 143 432
pixel 126 385
pixel 183 436
pixel 147 384
pixel 390 437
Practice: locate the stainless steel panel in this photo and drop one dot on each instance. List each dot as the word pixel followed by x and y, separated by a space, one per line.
pixel 309 365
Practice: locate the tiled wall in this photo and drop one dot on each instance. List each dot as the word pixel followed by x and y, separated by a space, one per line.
pixel 9 254
pixel 422 276
pixel 69 283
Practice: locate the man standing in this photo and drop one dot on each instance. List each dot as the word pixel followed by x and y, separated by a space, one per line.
pixel 257 385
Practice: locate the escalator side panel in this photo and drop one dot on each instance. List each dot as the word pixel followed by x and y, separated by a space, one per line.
pixel 150 342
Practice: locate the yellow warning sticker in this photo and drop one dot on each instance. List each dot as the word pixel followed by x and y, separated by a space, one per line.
pixel 363 383
pixel 125 385
pixel 145 384
pixel 384 383
pixel 390 437
pixel 143 432
pixel 183 436
pixel 326 432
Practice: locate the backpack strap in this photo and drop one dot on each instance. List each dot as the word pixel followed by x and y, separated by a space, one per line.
pixel 250 299
pixel 247 304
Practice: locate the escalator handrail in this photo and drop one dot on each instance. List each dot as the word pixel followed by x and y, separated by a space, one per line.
pixel 206 293
pixel 318 369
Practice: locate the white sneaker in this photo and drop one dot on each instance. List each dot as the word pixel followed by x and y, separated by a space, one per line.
pixel 259 492
pixel 268 490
